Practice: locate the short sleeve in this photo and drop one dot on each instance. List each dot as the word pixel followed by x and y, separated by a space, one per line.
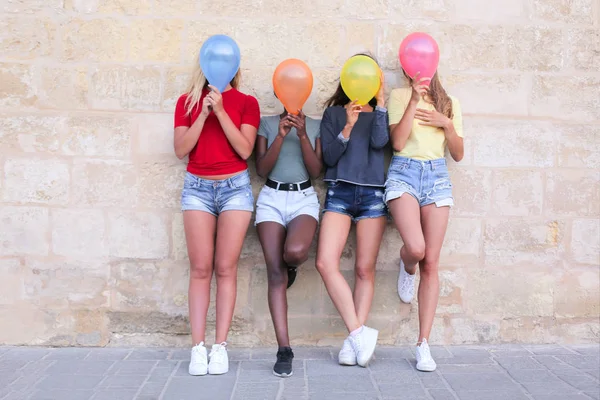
pixel 457 118
pixel 314 126
pixel 397 105
pixel 251 114
pixel 263 129
pixel 182 118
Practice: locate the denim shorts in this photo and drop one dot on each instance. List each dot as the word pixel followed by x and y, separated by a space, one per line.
pixel 427 181
pixel 214 197
pixel 282 207
pixel 356 201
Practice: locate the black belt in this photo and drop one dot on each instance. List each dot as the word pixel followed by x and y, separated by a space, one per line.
pixel 288 187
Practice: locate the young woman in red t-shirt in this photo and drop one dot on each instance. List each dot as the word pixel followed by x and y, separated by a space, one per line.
pixel 217 131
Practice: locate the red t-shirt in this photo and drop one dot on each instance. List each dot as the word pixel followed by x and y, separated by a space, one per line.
pixel 213 154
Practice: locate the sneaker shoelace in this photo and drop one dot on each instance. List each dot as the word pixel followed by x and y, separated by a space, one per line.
pixel 425 352
pixel 217 354
pixel 408 282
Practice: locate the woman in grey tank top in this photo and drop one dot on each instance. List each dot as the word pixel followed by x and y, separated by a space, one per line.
pixel 288 155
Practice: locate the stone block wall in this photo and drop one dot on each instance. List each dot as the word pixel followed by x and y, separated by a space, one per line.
pixel 92 250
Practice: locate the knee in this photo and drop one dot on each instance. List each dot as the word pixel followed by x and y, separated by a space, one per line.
pixel 365 272
pixel 323 266
pixel 225 270
pixel 415 251
pixel 295 254
pixel 277 277
pixel 430 266
pixel 200 270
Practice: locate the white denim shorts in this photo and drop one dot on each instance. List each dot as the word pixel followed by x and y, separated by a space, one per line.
pixel 282 207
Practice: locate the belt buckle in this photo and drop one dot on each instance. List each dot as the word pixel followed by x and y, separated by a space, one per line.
pixel 291 186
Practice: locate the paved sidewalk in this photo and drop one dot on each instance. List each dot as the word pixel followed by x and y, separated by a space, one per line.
pixel 510 372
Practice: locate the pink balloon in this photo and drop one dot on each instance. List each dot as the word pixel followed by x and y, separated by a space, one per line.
pixel 419 52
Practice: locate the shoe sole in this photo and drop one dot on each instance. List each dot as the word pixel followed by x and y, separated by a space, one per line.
pixel 218 373
pixel 283 375
pixel 347 364
pixel 206 373
pixel 426 369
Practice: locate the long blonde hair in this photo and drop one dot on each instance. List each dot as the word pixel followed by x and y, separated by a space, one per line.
pixel 199 83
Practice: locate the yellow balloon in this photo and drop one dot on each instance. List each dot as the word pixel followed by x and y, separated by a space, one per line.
pixel 360 79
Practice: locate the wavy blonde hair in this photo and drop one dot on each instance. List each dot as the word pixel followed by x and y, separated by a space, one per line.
pixel 198 84
pixel 439 97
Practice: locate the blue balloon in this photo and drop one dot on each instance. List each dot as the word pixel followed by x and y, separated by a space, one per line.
pixel 219 60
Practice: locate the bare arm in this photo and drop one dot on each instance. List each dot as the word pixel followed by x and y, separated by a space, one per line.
pixel 454 142
pixel 312 157
pixel 266 158
pixel 187 137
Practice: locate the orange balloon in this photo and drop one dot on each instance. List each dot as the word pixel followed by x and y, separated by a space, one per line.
pixel 293 82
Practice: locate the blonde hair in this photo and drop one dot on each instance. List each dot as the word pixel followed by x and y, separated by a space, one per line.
pixel 439 97
pixel 198 84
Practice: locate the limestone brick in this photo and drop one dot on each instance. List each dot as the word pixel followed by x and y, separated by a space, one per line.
pixel 156 40
pixel 63 88
pixel 160 184
pixel 577 11
pixel 518 192
pixel 29 180
pixel 102 183
pixel 585 241
pixel 59 285
pixel 142 235
pixel 125 7
pixel 577 294
pixel 16 86
pixel 579 146
pixel 476 46
pixel 24 231
pixel 30 6
pixel 134 88
pixel 375 10
pixel 11 281
pixel 513 143
pixel 31 134
pixel 520 294
pixel 583 51
pixel 99 136
pixel 452 287
pixel 472 191
pixel 462 242
pixel 99 40
pixel 176 82
pixel 26 38
pixel 571 97
pixel 516 242
pixel 360 38
pixel 490 94
pixel 253 9
pixel 198 31
pixel 150 286
pixel 184 8
pixel 154 134
pixel 536 48
pixel 508 11
pixel 79 234
pixel 573 193
pixel 469 330
pixel 179 250
pixel 258 83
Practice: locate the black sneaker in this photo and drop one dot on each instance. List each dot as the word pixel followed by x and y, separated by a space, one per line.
pixel 292 272
pixel 283 366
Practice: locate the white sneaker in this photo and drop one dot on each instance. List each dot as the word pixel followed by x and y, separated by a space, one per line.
pixel 219 360
pixel 347 355
pixel 424 360
pixel 406 284
pixel 364 344
pixel 198 362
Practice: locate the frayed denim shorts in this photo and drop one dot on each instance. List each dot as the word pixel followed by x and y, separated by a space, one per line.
pixel 356 201
pixel 214 197
pixel 427 181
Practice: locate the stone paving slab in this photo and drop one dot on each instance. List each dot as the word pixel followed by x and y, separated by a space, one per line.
pixel 502 372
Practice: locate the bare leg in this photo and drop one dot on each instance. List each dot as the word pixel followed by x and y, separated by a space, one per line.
pixel 368 237
pixel 231 231
pixel 200 237
pixel 300 233
pixel 406 213
pixel 332 239
pixel 435 222
pixel 272 237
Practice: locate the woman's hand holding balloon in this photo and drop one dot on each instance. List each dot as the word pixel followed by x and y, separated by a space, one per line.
pixel 284 126
pixel 206 108
pixel 420 87
pixel 216 100
pixel 298 122
pixel 352 112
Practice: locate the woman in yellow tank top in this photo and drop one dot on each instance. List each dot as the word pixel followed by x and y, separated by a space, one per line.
pixel 424 121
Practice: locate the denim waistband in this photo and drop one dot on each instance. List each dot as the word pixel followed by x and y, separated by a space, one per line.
pixel 398 161
pixel 243 178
